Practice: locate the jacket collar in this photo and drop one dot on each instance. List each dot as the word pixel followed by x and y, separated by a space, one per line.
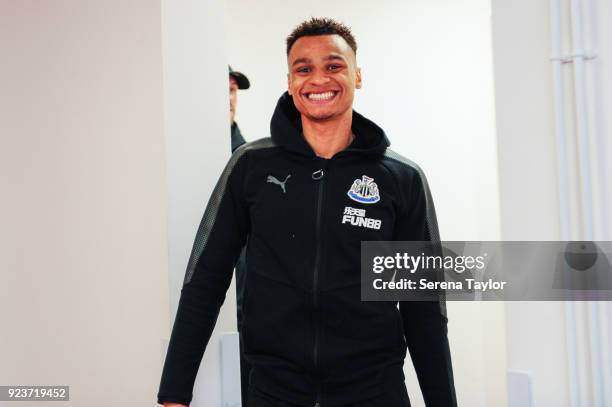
pixel 286 131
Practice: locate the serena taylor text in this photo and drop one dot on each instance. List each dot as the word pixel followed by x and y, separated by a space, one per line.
pixel 424 284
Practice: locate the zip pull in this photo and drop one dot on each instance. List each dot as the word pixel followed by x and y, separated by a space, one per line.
pixel 317 175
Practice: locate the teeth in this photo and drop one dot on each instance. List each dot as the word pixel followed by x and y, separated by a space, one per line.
pixel 321 96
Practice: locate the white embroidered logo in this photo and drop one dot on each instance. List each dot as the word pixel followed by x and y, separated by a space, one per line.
pixel 364 190
pixel 356 217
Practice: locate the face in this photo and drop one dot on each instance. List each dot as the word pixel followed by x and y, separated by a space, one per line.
pixel 323 76
pixel 233 91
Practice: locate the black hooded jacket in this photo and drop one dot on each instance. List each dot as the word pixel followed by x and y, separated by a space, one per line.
pixel 236 137
pixel 306 332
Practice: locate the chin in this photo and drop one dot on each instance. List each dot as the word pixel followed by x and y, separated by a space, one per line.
pixel 320 116
pixel 313 115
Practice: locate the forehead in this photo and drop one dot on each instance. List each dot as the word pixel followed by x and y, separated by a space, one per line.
pixel 320 46
pixel 232 81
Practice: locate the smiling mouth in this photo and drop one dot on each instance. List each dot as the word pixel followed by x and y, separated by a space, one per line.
pixel 321 96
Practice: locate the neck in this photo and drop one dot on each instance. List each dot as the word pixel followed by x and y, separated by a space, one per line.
pixel 326 138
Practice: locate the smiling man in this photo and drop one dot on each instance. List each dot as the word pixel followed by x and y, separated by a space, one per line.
pixel 310 339
pixel 323 76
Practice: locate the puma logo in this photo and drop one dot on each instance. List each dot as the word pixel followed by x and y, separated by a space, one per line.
pixel 273 180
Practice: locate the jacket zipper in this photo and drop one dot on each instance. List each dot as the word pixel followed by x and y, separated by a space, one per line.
pixel 319 176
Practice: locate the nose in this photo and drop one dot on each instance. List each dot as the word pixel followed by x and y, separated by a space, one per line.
pixel 319 78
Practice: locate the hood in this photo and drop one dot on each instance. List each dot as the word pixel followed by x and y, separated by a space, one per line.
pixel 286 131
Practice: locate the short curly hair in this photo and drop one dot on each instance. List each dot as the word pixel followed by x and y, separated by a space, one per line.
pixel 321 26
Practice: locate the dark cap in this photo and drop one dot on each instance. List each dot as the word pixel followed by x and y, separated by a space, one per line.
pixel 241 79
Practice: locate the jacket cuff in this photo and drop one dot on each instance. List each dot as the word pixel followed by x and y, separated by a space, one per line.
pixel 173 399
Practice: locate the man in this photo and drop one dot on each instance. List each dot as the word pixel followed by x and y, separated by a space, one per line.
pixel 309 337
pixel 237 80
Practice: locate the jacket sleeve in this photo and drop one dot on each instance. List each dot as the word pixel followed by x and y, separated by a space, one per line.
pixel 425 322
pixel 220 236
pixel 237 139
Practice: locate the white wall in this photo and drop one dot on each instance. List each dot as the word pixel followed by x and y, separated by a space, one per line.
pixel 83 283
pixel 601 29
pixel 537 336
pixel 427 70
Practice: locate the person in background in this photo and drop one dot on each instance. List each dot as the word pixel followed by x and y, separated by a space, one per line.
pixel 237 80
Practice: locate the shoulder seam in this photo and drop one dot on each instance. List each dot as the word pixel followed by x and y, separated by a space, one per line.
pixel 400 158
pixel 259 144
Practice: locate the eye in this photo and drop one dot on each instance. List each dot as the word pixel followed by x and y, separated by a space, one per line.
pixel 334 67
pixel 303 69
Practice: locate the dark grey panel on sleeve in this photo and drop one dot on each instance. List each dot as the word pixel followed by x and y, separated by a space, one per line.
pixel 210 215
pixel 431 219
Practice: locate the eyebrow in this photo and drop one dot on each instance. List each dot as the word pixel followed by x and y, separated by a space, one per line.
pixel 331 57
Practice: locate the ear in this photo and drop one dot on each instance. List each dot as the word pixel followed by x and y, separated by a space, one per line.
pixel 358 82
pixel 289 84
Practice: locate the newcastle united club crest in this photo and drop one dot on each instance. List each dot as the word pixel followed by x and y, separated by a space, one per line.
pixel 364 190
